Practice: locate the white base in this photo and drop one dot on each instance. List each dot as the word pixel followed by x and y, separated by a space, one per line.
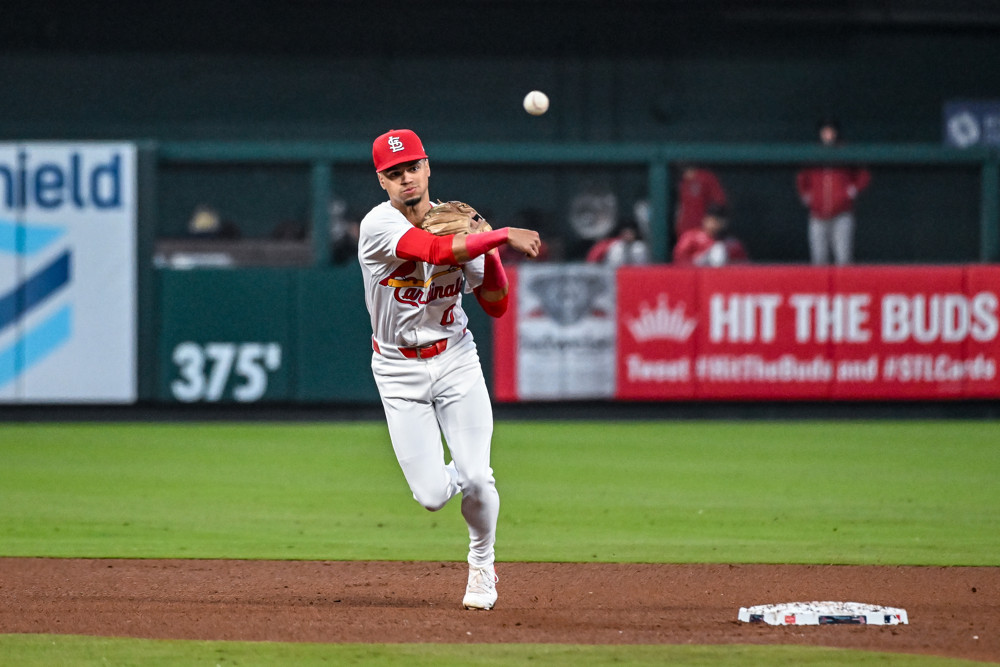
pixel 823 613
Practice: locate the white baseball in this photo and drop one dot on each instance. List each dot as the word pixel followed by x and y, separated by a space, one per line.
pixel 536 103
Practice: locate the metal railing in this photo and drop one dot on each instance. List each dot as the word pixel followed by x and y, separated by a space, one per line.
pixel 657 158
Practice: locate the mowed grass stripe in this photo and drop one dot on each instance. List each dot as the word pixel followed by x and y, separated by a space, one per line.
pixel 46 650
pixel 883 492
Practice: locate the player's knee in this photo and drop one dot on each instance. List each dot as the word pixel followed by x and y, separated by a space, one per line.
pixel 478 484
pixel 431 500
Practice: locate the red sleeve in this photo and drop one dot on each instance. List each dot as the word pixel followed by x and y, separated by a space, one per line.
pixel 736 251
pixel 862 177
pixel 492 308
pixel 684 250
pixel 416 244
pixel 479 244
pixel 422 246
pixel 802 183
pixel 598 251
pixel 494 279
pixel 716 194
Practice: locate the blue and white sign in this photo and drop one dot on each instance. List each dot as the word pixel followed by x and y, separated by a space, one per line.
pixel 67 273
pixel 972 123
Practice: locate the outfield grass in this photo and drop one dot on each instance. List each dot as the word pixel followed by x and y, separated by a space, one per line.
pixel 47 650
pixel 921 493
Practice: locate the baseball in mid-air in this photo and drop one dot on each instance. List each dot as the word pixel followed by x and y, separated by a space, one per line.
pixel 536 103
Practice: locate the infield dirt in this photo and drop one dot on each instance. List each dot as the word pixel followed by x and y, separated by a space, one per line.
pixel 953 611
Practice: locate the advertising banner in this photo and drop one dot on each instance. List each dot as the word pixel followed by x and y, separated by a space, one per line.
pixel 971 123
pixel 656 334
pixel 563 334
pixel 795 333
pixel 982 343
pixel 758 337
pixel 904 326
pixel 67 272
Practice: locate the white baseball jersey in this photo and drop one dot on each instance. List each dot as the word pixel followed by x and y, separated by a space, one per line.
pixel 411 303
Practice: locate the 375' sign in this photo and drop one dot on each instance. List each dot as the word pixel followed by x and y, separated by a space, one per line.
pixel 206 370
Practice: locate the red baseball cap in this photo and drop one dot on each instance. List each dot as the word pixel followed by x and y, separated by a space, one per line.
pixel 396 146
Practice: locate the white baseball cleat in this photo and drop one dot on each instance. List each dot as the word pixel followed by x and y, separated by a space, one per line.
pixel 481 592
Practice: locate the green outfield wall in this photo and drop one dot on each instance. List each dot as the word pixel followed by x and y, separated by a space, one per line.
pixel 269 120
pixel 268 335
pixel 300 334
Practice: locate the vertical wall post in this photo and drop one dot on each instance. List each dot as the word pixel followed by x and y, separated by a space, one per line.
pixel 659 210
pixel 322 188
pixel 147 278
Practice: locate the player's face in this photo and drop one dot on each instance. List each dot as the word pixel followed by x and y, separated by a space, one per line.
pixel 406 183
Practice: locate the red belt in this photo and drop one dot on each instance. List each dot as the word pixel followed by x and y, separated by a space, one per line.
pixel 425 351
pixel 422 352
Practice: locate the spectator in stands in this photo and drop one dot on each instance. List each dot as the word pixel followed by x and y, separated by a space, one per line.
pixel 345 231
pixel 206 223
pixel 829 193
pixel 712 244
pixel 625 247
pixel 698 189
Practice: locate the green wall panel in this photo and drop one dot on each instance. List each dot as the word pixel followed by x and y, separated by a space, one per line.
pixel 333 351
pixel 226 336
pixel 220 329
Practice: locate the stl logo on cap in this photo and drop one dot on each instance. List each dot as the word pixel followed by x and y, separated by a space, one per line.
pixel 395 147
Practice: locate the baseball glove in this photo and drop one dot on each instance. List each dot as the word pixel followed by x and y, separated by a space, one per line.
pixel 453 217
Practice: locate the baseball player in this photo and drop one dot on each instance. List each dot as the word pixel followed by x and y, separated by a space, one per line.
pixel 424 358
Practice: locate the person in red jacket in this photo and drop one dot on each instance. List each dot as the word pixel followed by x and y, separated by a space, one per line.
pixel 711 245
pixel 697 190
pixel 829 193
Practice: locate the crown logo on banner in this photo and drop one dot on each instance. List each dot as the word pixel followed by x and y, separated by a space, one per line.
pixel 662 322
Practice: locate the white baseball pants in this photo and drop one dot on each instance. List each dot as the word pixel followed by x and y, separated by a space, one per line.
pixel 446 394
pixel 836 234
